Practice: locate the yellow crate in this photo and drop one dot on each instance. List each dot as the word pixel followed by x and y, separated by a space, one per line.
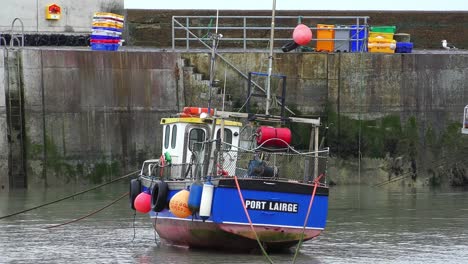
pixel 381 35
pixel 106 24
pixel 106 14
pixel 381 45
pixel 327 33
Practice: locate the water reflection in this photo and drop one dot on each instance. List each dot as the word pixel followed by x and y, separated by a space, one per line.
pixel 366 225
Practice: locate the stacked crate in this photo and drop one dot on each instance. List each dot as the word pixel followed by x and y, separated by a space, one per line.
pixel 381 39
pixel 342 38
pixel 358 37
pixel 325 38
pixel 107 31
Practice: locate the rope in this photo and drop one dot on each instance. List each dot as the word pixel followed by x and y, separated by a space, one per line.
pixel 250 221
pixel 68 197
pixel 316 183
pixel 90 214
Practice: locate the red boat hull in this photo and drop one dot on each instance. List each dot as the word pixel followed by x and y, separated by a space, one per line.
pixel 228 236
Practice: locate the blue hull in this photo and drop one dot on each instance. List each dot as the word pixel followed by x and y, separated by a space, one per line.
pixel 277 210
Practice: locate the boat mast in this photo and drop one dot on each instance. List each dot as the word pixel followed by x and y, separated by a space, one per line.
pixel 215 38
pixel 270 59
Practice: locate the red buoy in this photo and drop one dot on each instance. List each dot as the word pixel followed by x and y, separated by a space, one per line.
pixel 143 202
pixel 273 137
pixel 302 34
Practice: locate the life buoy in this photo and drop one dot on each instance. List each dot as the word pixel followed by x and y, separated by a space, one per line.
pixel 135 189
pixel 159 196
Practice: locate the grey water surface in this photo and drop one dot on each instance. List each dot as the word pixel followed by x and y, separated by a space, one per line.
pixel 365 225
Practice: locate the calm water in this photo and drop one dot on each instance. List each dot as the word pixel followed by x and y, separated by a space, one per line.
pixel 366 225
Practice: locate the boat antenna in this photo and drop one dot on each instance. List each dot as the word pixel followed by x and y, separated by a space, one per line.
pixel 215 38
pixel 270 59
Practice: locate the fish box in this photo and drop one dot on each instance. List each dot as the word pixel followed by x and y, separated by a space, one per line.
pixel 358 38
pixel 383 29
pixel 404 47
pixel 381 35
pixel 342 38
pixel 104 46
pixel 381 45
pixel 325 38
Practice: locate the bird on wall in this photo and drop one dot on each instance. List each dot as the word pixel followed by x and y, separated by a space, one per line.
pixel 448 46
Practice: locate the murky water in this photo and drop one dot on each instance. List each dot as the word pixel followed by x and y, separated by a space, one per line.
pixel 366 225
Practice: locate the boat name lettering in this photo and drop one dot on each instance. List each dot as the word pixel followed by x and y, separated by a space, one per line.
pixel 271 206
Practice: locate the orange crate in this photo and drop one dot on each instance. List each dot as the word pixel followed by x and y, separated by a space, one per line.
pixel 325 38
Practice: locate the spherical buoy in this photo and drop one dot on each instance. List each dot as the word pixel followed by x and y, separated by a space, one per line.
pixel 143 202
pixel 302 34
pixel 179 204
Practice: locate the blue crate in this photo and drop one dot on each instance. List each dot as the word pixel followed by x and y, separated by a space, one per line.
pixel 404 47
pixel 104 46
pixel 358 38
pixel 104 37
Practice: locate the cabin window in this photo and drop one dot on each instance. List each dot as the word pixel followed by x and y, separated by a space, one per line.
pixel 196 135
pixel 174 136
pixel 227 138
pixel 166 136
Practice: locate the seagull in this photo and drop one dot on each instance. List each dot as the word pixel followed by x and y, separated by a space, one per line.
pixel 448 46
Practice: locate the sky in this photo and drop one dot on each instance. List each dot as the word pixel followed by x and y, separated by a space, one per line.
pixel 421 5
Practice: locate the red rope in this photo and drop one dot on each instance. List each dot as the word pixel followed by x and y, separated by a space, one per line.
pixel 316 183
pixel 250 221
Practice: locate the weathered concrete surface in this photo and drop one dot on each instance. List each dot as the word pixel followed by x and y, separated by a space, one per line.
pixel 91 115
pixel 4 182
pixel 77 16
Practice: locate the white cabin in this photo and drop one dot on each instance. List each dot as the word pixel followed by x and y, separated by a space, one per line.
pixel 180 134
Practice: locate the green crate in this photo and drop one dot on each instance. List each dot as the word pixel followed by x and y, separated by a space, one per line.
pixel 383 29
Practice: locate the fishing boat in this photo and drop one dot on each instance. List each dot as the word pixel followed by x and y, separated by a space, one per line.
pixel 235 181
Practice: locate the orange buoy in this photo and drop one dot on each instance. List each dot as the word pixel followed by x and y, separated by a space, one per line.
pixel 142 203
pixel 179 204
pixel 302 34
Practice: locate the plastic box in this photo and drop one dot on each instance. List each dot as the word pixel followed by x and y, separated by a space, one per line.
pixel 381 45
pixel 381 34
pixel 104 46
pixel 404 47
pixel 383 29
pixel 341 38
pixel 358 38
pixel 325 38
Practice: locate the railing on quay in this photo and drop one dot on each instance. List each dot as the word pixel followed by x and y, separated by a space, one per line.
pixel 252 31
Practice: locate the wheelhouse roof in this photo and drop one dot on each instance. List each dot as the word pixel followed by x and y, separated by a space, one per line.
pixel 197 120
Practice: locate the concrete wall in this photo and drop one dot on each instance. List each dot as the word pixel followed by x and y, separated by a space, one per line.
pixel 4 183
pixel 76 15
pixel 93 115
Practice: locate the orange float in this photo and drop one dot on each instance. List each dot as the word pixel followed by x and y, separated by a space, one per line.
pixel 179 204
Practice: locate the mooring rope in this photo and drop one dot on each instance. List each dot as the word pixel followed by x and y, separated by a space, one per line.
pixel 250 221
pixel 68 197
pixel 90 214
pixel 299 244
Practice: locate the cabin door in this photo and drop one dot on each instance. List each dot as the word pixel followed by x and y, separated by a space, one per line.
pixel 193 151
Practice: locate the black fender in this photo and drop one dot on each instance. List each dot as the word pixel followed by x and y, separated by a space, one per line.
pixel 135 190
pixel 159 196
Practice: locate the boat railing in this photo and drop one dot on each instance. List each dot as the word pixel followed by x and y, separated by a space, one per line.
pixel 227 160
pixel 249 31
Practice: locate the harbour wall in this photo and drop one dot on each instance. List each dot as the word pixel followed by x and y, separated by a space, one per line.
pixel 92 116
pixel 153 28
